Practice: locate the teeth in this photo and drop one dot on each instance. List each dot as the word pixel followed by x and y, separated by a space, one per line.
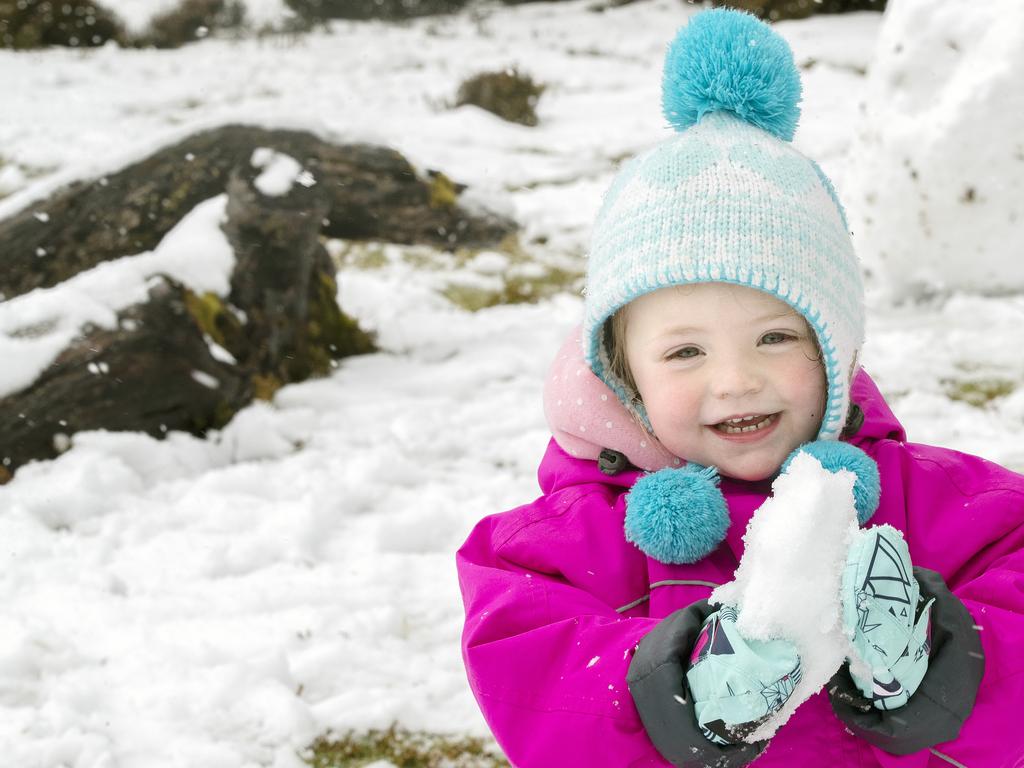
pixel 742 420
pixel 731 430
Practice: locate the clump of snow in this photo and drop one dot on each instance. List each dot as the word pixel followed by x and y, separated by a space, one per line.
pixel 266 13
pixel 280 172
pixel 218 352
pixel 92 483
pixel 12 178
pixel 935 192
pixel 137 14
pixel 490 262
pixel 256 433
pixel 789 580
pixel 208 381
pixel 36 326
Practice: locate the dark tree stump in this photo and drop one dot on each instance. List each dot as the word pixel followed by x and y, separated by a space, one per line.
pixel 371 192
pixel 283 282
pixel 275 261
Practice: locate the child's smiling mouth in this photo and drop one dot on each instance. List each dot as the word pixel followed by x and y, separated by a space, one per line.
pixel 750 425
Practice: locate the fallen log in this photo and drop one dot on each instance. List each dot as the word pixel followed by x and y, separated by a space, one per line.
pixel 372 192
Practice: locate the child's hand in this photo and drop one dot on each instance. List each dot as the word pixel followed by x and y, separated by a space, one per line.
pixel 737 684
pixel 945 697
pixel 884 615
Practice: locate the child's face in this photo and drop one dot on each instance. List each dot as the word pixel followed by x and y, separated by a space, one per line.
pixel 702 354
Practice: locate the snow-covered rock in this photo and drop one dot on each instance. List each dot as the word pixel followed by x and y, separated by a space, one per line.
pixel 936 180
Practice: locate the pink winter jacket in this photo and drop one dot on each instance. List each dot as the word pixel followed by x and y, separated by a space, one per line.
pixel 556 600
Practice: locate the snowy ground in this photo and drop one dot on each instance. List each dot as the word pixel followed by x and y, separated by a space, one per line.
pixel 222 602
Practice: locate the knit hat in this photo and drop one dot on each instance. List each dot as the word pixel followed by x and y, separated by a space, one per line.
pixel 728 199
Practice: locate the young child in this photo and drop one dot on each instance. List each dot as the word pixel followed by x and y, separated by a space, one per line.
pixel 723 320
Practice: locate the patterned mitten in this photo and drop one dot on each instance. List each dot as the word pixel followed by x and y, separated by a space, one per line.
pixel 736 683
pixel 885 616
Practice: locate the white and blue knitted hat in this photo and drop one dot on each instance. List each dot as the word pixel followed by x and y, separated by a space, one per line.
pixel 729 199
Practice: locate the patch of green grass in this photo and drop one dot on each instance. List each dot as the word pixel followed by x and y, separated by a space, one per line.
pixel 443 193
pixel 509 94
pixel 472 280
pixel 207 309
pixel 358 255
pixel 521 288
pixel 978 392
pixel 403 748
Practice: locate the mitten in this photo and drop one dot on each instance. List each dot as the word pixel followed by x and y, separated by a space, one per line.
pixel 657 682
pixel 737 684
pixel 946 695
pixel 885 617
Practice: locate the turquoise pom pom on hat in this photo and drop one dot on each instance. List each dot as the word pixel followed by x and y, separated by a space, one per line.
pixel 728 198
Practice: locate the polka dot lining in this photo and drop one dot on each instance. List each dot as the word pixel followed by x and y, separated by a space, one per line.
pixel 577 403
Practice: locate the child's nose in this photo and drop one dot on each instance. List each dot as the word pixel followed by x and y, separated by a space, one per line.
pixel 735 378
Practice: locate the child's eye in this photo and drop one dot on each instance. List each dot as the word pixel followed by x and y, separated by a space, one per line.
pixel 776 337
pixel 684 353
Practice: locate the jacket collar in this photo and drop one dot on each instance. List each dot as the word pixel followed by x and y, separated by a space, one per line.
pixel 879 421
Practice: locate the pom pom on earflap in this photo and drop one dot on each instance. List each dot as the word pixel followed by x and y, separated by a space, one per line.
pixel 677 515
pixel 833 456
pixel 728 60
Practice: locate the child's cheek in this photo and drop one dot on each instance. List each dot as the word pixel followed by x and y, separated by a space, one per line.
pixel 675 404
pixel 812 390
